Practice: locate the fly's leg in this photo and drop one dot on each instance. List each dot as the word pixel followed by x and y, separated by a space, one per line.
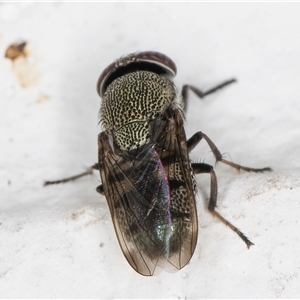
pixel 198 136
pixel 199 93
pixel 89 171
pixel 200 168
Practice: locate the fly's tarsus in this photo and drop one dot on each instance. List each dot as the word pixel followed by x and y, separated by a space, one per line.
pixel 89 171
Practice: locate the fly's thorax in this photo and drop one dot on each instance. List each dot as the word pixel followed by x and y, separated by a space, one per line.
pixel 130 102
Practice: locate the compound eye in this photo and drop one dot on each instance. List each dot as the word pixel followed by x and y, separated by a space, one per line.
pixel 101 84
pixel 158 59
pixel 147 60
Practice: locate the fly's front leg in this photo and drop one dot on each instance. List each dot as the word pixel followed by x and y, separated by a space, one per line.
pixel 199 93
pixel 200 168
pixel 88 171
pixel 198 136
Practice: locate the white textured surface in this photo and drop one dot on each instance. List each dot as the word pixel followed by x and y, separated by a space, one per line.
pixel 58 241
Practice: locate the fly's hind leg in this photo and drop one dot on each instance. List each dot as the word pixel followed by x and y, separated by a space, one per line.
pixel 198 136
pixel 88 171
pixel 200 168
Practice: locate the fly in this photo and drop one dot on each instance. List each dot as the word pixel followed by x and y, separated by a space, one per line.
pixel 147 176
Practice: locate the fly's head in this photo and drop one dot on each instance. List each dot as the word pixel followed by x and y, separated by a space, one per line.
pixel 135 90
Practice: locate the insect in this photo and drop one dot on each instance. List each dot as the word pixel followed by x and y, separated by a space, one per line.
pixel 147 176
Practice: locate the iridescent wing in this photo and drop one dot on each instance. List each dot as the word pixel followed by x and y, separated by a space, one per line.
pixel 138 196
pixel 151 199
pixel 172 149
